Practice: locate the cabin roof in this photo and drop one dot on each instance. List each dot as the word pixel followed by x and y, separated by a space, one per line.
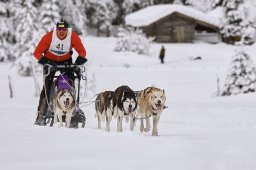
pixel 151 14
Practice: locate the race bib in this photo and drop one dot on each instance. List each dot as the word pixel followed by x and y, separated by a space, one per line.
pixel 60 47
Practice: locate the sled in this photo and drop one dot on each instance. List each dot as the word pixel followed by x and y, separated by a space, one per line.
pixel 77 71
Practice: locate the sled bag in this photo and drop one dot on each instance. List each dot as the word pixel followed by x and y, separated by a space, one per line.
pixel 63 82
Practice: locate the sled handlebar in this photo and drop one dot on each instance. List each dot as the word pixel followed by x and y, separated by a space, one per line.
pixel 55 67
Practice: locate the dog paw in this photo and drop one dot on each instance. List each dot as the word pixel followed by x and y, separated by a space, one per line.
pixel 146 129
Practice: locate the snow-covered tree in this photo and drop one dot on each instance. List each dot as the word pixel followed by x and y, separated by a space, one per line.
pixel 145 3
pixel 241 77
pixel 74 13
pixel 202 5
pixel 3 31
pixel 100 14
pixel 125 7
pixel 27 35
pixel 237 26
pixel 49 14
pixel 217 3
pixel 7 37
pixel 156 2
pixel 179 2
pixel 133 40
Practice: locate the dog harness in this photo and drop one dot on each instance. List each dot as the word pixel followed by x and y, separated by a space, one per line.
pixel 154 113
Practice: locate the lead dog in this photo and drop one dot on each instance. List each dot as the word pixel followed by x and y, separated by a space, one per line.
pixel 63 105
pixel 104 108
pixel 124 105
pixel 151 103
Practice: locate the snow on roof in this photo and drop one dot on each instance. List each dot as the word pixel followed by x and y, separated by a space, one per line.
pixel 149 15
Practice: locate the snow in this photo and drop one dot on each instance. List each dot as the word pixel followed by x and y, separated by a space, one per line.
pixel 198 131
pixel 251 4
pixel 151 14
pixel 218 12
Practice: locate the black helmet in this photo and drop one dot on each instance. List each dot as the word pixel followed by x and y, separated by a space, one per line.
pixel 61 24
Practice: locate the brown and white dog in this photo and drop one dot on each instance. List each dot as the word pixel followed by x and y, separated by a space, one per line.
pixel 104 108
pixel 63 105
pixel 151 103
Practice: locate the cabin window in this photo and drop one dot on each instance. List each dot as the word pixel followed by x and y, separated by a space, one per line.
pixel 169 29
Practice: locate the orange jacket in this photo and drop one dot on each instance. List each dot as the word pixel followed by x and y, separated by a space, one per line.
pixel 45 42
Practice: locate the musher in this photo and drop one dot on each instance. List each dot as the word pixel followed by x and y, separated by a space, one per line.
pixel 56 47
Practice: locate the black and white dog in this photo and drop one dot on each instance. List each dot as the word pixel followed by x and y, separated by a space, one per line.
pixel 104 108
pixel 124 105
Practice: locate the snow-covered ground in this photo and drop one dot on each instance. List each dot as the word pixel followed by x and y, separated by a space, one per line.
pixel 199 131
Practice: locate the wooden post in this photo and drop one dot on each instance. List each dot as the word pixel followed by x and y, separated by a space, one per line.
pixel 10 87
pixel 218 85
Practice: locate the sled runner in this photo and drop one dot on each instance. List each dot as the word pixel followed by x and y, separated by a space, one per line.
pixel 68 78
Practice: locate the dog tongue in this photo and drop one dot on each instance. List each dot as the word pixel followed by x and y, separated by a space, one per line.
pixel 129 110
pixel 66 103
pixel 159 107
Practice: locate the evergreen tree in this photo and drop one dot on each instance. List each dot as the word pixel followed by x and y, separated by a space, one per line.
pixel 179 2
pixel 100 14
pixel 27 31
pixel 156 2
pixel 3 31
pixel 134 40
pixel 202 5
pixel 241 77
pixel 237 26
pixel 7 37
pixel 74 13
pixel 145 3
pixel 125 7
pixel 49 14
pixel 217 3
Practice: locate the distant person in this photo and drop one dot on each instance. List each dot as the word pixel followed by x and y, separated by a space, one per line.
pixel 162 54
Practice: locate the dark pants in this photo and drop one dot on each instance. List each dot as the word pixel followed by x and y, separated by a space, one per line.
pixel 162 59
pixel 48 80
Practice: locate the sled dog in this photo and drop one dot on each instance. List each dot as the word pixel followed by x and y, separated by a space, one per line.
pixel 151 103
pixel 104 108
pixel 63 105
pixel 124 105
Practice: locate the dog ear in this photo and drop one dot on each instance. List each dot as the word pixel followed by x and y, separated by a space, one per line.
pixel 146 91
pixel 149 89
pixel 163 91
pixel 122 98
pixel 73 93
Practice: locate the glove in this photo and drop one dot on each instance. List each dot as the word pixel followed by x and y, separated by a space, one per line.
pixel 80 60
pixel 43 60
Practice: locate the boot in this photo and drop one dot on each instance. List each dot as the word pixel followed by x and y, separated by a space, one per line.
pixel 40 119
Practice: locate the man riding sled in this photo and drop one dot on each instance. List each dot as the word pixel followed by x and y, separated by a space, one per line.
pixel 56 48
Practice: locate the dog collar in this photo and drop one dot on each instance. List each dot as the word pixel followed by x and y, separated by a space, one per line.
pixel 154 113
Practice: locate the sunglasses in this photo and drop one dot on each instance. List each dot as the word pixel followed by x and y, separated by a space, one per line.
pixel 62 29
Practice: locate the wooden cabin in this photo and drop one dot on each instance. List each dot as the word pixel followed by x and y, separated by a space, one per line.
pixel 174 23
